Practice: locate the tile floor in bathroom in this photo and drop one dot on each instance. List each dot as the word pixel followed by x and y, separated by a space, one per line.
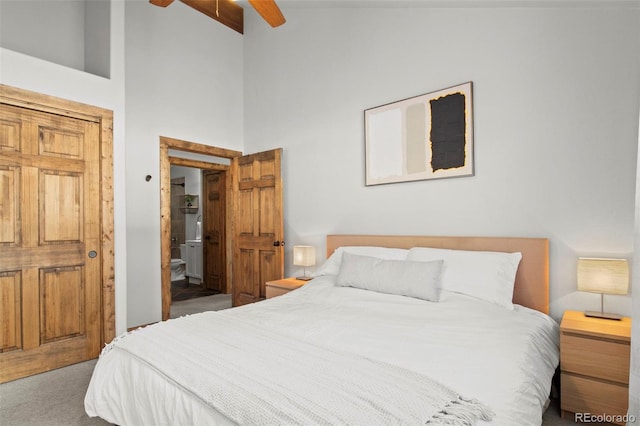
pixel 182 290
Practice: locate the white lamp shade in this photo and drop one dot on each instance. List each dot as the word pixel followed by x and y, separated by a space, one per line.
pixel 304 255
pixel 608 276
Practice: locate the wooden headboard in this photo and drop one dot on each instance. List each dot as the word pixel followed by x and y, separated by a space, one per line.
pixel 532 279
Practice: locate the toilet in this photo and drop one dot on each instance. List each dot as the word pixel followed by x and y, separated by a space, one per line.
pixel 178 266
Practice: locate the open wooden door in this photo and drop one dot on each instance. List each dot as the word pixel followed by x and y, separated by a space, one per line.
pixel 50 241
pixel 258 254
pixel 214 229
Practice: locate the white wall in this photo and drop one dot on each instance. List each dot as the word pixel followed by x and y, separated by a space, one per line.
pixel 30 73
pixel 73 33
pixel 184 80
pixel 50 30
pixel 96 25
pixel 634 379
pixel 556 96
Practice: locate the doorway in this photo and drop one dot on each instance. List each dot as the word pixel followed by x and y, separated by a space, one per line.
pixel 173 152
pixel 198 229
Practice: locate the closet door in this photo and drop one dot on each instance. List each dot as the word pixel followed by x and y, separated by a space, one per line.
pixel 50 263
pixel 258 223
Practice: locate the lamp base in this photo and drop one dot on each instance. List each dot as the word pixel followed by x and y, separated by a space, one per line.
pixel 603 315
pixel 305 278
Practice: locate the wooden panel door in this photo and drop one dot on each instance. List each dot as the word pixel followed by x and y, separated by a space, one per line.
pixel 258 225
pixel 214 231
pixel 50 271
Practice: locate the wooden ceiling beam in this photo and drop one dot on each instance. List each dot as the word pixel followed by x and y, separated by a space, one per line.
pixel 224 11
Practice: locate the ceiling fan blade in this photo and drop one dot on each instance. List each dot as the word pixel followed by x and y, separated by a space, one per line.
pixel 269 11
pixel 161 3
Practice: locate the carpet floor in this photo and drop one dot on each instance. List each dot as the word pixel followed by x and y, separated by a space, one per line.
pixel 216 302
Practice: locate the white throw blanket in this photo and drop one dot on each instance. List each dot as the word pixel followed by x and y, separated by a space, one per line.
pixel 255 376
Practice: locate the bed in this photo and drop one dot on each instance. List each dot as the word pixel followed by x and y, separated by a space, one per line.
pixel 391 330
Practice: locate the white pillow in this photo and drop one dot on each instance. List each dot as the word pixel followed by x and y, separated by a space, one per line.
pixel 413 279
pixel 486 275
pixel 332 265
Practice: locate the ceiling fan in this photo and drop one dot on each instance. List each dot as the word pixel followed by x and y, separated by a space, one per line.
pixel 231 14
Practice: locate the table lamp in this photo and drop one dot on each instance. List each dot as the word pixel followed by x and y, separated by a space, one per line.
pixel 304 256
pixel 604 276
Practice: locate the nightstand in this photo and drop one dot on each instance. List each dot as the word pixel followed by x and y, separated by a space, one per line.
pixel 280 287
pixel 594 366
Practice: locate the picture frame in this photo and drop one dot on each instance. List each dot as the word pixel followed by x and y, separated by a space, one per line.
pixel 425 137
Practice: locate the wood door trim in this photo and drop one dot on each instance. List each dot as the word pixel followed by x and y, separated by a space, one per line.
pixel 50 104
pixel 166 161
pixel 177 161
pixel 196 148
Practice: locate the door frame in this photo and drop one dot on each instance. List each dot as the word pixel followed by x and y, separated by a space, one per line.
pixel 104 118
pixel 166 160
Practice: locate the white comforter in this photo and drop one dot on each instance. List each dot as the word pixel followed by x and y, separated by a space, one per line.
pixel 505 359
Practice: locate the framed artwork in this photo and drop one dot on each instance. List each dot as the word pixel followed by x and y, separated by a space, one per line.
pixel 428 136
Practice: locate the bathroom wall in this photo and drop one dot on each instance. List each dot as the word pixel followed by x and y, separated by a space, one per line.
pixel 177 217
pixel 192 185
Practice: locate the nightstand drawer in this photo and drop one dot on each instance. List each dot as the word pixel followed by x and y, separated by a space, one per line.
pixel 279 287
pixel 598 358
pixel 582 395
pixel 276 291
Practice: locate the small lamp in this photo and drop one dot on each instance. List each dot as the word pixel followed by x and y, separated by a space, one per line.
pixel 304 256
pixel 610 276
